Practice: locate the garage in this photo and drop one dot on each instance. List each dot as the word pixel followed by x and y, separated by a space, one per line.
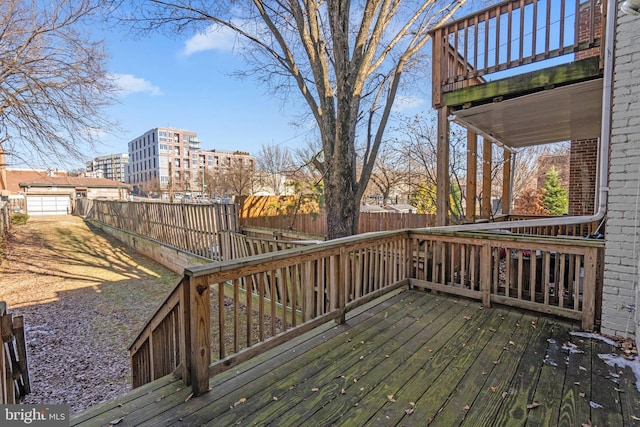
pixel 48 204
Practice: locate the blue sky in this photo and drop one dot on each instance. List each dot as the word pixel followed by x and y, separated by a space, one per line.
pixel 187 84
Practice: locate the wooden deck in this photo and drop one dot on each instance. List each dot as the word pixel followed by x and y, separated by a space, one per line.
pixel 411 359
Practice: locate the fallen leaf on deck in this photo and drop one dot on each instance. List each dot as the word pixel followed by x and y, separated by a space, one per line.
pixel 581 394
pixel 315 389
pixel 618 390
pixel 409 411
pixel 504 394
pixel 512 343
pixel 343 391
pixel 275 398
pixel 492 329
pixel 466 407
pixel 240 402
pixel 355 380
pixel 116 421
pixel 493 388
pixel 587 424
pixel 595 405
pixel 467 317
pixel 188 397
pixel 582 368
pixel 633 417
pixel 391 398
pixel 533 405
pixel 576 382
pixel 159 398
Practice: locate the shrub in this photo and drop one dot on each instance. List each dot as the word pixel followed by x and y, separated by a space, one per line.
pixel 19 219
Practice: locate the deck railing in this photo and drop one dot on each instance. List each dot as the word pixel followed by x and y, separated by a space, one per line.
pixel 237 245
pixel 558 276
pixel 231 311
pixel 510 34
pixel 576 229
pixel 14 372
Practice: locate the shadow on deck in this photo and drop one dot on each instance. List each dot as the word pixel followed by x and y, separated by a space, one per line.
pixel 412 358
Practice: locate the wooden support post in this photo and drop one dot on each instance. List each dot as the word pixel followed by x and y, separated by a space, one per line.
pixel 588 288
pixel 486 179
pixel 442 169
pixel 472 175
pixel 506 183
pixel 485 274
pixel 200 325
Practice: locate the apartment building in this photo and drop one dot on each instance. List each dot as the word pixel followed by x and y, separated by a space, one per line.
pixel 164 157
pixel 112 166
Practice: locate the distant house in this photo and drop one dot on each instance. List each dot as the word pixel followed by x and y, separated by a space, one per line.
pixel 55 195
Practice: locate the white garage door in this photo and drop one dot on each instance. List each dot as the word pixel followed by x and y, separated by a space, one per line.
pixel 40 205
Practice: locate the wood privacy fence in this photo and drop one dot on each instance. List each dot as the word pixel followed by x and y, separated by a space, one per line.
pixel 14 383
pixel 228 312
pixel 317 223
pixel 193 228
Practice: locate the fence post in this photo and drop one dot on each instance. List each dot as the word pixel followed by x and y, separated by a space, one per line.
pixel 485 274
pixel 199 336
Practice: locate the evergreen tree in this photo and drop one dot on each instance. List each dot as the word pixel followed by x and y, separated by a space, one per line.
pixel 556 197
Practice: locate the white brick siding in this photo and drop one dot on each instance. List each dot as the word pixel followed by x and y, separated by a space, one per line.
pixel 622 240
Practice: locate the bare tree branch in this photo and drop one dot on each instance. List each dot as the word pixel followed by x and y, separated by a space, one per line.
pixel 53 79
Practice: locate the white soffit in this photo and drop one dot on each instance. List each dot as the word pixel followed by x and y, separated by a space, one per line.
pixel 553 115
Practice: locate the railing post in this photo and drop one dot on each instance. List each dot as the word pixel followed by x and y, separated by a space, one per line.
pixel 589 288
pixel 485 274
pixel 199 343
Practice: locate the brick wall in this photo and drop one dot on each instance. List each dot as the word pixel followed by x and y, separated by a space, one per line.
pixel 585 29
pixel 582 176
pixel 621 239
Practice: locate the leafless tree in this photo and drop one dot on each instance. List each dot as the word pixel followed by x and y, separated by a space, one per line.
pixel 419 148
pixel 273 165
pixel 391 171
pixel 53 79
pixel 238 178
pixel 344 58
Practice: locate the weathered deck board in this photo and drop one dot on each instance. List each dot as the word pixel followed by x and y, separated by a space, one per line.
pixel 412 359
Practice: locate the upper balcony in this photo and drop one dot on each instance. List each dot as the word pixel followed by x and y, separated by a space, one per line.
pixel 496 69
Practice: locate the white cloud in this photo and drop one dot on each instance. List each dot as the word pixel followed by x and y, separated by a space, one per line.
pixel 128 83
pixel 215 37
pixel 403 103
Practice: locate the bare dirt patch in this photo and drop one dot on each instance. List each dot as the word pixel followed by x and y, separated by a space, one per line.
pixel 84 296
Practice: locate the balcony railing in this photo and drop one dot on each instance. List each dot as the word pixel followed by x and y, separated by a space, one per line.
pixel 511 34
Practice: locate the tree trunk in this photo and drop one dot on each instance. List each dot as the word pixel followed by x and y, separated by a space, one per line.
pixel 343 210
pixel 341 200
